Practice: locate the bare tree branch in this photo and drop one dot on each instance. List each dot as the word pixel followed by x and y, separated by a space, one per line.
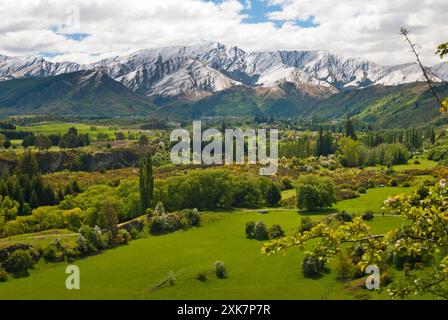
pixel 405 33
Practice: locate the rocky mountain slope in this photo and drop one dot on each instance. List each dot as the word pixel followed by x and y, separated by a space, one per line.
pixel 197 71
pixel 80 93
pixel 212 80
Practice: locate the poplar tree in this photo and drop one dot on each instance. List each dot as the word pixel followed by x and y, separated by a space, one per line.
pixel 146 183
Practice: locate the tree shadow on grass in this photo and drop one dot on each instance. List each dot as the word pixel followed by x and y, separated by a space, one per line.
pixel 21 275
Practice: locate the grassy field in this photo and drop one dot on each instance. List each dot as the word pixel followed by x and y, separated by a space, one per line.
pixel 38 239
pixel 373 200
pixel 60 128
pixel 423 165
pixel 130 272
pixel 288 194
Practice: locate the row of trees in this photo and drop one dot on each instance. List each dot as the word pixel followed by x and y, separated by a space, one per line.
pixel 357 154
pixel 211 189
pixel 308 145
pixel 70 140
pixel 7 125
pixel 413 138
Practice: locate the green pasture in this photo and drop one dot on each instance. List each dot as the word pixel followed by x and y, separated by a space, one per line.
pixel 131 272
pixel 373 200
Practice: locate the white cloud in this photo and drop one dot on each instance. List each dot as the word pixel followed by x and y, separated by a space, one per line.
pixel 365 28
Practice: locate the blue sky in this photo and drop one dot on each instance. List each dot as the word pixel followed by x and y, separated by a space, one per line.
pixel 258 11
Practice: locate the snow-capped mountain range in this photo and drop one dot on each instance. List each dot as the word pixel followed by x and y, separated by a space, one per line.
pixel 201 70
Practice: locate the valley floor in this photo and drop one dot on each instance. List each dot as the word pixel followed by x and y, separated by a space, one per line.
pixel 130 272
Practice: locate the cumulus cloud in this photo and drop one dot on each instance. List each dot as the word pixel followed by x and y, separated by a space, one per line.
pixel 367 29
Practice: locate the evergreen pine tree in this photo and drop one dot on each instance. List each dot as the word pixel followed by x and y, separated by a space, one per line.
pixel 273 195
pixel 350 129
pixel 34 200
pixel 28 165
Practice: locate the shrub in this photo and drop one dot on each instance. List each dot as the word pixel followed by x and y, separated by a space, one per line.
pixel 201 276
pixel 124 237
pixel 149 212
pixel 306 225
pixel 312 266
pixel 276 232
pixel 175 222
pixel 346 194
pixel 54 252
pixel 3 275
pixel 404 260
pixel 260 231
pixel 393 182
pixel 167 223
pixel 19 262
pixel 406 184
pixel 417 162
pixel 315 192
pixel 344 217
pixel 362 190
pixel 221 271
pixel 172 278
pixel 250 230
pixel 71 254
pixel 423 192
pixel 158 225
pixel 84 247
pixel 7 144
pixel 193 217
pixel 93 238
pixel 134 233
pixel 109 240
pixel 159 210
pixel 287 184
pixel 368 216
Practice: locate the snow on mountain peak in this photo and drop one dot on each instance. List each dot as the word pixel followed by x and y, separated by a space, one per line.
pixel 441 70
pixel 208 67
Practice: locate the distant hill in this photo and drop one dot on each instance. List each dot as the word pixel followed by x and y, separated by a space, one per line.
pixel 83 93
pixel 94 93
pixel 381 106
pixel 386 107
